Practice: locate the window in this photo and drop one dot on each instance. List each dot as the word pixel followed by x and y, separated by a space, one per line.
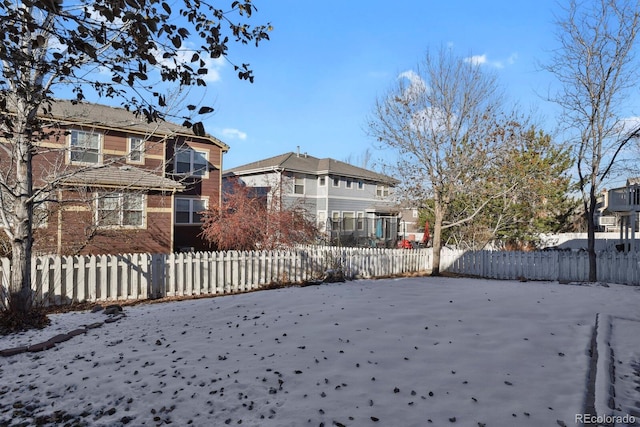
pixel 322 181
pixel 191 162
pixel 120 210
pixel 348 183
pixel 336 182
pixel 349 221
pixel 84 147
pixel 298 185
pixel 382 191
pixel 360 185
pixel 322 220
pixel 135 150
pixel 188 211
pixel 360 221
pixel 335 220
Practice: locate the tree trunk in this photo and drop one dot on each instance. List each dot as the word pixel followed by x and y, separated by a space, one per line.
pixel 591 237
pixel 20 299
pixel 437 239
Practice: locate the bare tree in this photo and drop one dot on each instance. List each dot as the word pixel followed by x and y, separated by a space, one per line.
pixel 363 160
pixel 445 121
pixel 120 49
pixel 251 219
pixel 595 66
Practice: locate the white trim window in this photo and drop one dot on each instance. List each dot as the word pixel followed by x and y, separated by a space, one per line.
pixel 321 219
pixel 120 210
pixel 135 150
pixel 322 181
pixel 85 147
pixel 188 211
pixel 191 162
pixel 382 191
pixel 360 184
pixel 349 222
pixel 336 182
pixel 335 219
pixel 298 184
pixel 348 183
pixel 360 221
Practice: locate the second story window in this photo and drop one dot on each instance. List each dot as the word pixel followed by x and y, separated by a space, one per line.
pixel 189 161
pixel 298 185
pixel 348 183
pixel 135 150
pixel 85 147
pixel 336 182
pixel 382 191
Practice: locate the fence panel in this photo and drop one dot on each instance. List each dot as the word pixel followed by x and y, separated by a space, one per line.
pixel 564 266
pixel 60 280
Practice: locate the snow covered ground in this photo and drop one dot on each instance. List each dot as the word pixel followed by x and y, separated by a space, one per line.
pixel 393 352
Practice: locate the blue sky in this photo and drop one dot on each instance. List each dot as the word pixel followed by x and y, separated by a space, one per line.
pixel 318 77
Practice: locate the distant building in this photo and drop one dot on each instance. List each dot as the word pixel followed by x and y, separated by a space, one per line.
pixel 409 227
pixel 351 205
pixel 624 203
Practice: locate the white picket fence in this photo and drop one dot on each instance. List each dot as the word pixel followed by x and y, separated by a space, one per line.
pixel 563 266
pixel 65 279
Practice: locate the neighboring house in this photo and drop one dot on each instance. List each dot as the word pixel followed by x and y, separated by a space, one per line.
pixel 624 202
pixel 409 228
pixel 352 205
pixel 606 220
pixel 123 185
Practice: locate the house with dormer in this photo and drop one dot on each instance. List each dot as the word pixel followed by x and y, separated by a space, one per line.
pixel 120 184
pixel 351 205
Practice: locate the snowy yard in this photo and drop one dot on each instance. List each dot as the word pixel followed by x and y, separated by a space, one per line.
pixel 393 352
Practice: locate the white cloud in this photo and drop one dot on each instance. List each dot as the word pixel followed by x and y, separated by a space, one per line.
pixel 234 134
pixel 476 59
pixel 412 76
pixel 483 60
pixel 213 66
pixel 629 124
pixel 428 119
pixel 433 120
pixel 416 86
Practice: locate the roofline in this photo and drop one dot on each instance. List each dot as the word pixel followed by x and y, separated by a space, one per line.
pixel 158 132
pixel 258 171
pixel 274 168
pixel 101 125
pixel 97 184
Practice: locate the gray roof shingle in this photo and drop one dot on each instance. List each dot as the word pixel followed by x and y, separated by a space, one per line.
pixel 305 163
pixel 122 177
pixel 99 115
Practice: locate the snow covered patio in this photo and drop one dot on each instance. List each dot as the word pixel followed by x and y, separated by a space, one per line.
pixel 393 352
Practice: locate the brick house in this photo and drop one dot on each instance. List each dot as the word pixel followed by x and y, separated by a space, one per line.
pixel 122 185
